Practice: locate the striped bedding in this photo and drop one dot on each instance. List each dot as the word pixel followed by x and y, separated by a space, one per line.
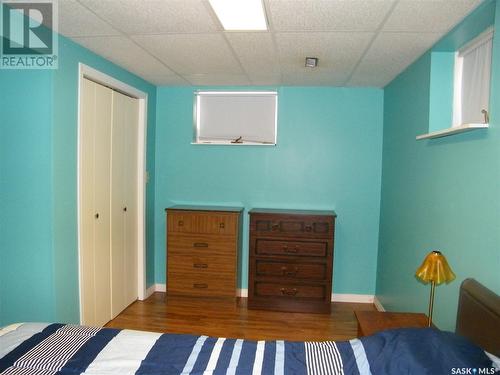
pixel 46 349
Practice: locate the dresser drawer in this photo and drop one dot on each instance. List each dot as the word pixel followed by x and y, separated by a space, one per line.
pixel 298 225
pixel 201 244
pixel 202 222
pixel 196 284
pixel 286 290
pixel 202 264
pixel 303 271
pixel 291 248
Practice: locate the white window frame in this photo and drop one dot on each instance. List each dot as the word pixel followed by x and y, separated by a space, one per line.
pixel 458 73
pixel 196 117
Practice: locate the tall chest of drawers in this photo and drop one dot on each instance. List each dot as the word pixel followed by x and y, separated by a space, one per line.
pixel 291 260
pixel 202 250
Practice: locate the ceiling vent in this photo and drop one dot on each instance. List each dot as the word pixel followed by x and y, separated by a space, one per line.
pixel 311 62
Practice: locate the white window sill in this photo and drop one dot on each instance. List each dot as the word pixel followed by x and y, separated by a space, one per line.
pixel 228 143
pixel 454 130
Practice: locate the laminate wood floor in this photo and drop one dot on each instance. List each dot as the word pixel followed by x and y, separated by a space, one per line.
pixel 232 319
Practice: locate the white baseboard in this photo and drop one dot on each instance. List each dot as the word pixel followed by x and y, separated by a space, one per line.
pixel 149 291
pixel 354 298
pixel 242 293
pixel 155 288
pixel 160 287
pixel 378 304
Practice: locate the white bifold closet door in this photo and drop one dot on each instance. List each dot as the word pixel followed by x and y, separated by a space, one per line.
pixel 124 203
pixel 108 202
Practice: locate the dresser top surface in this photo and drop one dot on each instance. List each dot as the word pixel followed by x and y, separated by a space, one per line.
pixel 284 211
pixel 204 208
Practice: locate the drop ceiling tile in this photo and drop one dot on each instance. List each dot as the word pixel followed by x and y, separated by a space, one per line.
pixel 192 53
pixel 76 20
pixel 125 53
pixel 255 51
pixel 390 54
pixel 166 80
pixel 155 16
pixel 259 79
pixel 217 79
pixel 337 51
pixel 367 78
pixel 308 77
pixel 428 15
pixel 327 15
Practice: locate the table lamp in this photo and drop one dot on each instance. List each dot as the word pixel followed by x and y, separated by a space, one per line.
pixel 434 269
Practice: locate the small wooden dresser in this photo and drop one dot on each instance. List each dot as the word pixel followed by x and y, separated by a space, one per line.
pixel 291 260
pixel 202 250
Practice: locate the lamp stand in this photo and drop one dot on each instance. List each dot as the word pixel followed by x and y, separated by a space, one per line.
pixel 431 302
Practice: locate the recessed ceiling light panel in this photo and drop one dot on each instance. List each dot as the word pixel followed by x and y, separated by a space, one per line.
pixel 239 15
pixel 311 62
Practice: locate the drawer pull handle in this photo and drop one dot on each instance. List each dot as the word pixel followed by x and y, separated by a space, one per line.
pixel 289 292
pixel 308 228
pixel 180 223
pixel 222 225
pixel 200 265
pixel 286 272
pixel 275 226
pixel 200 244
pixel 293 250
pixel 96 215
pixel 200 286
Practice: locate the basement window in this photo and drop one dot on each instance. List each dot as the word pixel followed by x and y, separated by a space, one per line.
pixel 235 117
pixel 460 88
pixel 472 81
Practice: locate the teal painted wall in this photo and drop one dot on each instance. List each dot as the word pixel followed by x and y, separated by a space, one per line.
pixel 26 259
pixel 441 90
pixel 328 157
pixel 438 194
pixel 38 232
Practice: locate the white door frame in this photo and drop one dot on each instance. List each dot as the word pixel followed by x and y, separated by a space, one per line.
pixel 85 71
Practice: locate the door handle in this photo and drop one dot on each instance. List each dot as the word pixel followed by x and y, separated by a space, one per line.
pixel 200 286
pixel 200 265
pixel 200 244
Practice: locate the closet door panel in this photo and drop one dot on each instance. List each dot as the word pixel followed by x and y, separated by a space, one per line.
pixel 87 121
pixel 118 302
pixel 131 215
pixel 102 197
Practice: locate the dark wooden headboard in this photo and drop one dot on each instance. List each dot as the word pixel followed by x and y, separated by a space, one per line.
pixel 478 316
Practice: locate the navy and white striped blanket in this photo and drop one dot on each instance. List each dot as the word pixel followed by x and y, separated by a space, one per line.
pixel 69 349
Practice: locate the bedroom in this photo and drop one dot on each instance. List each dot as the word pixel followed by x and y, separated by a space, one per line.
pixel 396 198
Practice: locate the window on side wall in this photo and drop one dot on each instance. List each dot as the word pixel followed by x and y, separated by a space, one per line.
pixel 236 117
pixel 472 81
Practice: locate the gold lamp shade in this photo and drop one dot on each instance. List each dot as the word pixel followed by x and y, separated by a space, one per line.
pixel 435 268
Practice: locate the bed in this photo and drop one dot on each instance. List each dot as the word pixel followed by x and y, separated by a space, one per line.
pixel 36 348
